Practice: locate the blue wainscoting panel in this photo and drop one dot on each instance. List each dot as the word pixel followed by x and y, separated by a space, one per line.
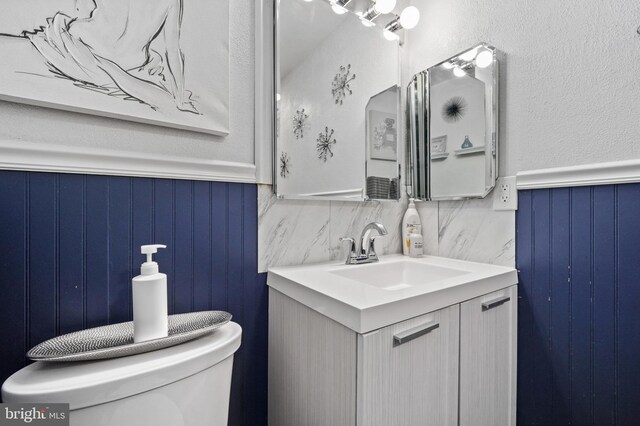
pixel 578 256
pixel 70 244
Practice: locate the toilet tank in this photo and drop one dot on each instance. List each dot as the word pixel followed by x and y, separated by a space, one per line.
pixel 187 384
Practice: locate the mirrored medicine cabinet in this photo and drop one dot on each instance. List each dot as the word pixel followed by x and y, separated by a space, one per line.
pixel 337 106
pixel 339 123
pixel 453 126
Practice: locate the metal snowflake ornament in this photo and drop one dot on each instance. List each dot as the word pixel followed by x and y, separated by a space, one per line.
pixel 299 123
pixel 324 142
pixel 285 163
pixel 340 86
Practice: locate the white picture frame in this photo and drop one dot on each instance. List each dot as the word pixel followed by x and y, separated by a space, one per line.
pixel 382 146
pixel 163 63
pixel 439 145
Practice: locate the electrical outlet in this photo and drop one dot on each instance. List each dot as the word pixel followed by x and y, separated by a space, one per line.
pixel 505 194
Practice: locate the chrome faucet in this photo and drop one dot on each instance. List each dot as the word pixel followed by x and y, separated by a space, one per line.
pixel 366 252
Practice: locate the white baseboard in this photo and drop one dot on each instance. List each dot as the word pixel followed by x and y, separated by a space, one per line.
pixel 28 156
pixel 610 173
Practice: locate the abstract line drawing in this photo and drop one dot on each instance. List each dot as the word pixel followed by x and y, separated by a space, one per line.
pixel 299 123
pixel 341 84
pixel 127 50
pixel 324 142
pixel 285 164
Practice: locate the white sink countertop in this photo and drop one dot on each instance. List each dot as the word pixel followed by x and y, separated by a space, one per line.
pixel 375 295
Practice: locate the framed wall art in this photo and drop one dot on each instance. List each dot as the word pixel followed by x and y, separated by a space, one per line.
pixel 164 62
pixel 383 135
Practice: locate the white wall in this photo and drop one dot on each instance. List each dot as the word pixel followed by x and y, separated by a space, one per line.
pixel 308 86
pixel 571 79
pixel 48 126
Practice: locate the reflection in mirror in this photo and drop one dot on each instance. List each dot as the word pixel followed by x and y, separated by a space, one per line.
pixel 382 145
pixel 454 146
pixel 336 81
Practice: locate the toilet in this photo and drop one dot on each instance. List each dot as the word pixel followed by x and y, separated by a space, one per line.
pixel 187 384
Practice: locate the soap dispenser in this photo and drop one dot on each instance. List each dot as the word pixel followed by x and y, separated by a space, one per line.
pixel 410 225
pixel 150 299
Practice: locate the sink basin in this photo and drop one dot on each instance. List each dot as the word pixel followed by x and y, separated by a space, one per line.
pixel 367 297
pixel 398 275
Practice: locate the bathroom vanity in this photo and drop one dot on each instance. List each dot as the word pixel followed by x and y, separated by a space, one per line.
pixel 429 341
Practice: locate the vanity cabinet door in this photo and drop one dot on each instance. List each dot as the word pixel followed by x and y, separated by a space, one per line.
pixel 488 359
pixel 408 372
pixel 312 367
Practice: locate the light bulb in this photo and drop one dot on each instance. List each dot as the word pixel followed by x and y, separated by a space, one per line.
pixel 409 17
pixel 447 65
pixel 384 6
pixel 338 10
pixel 278 97
pixel 484 59
pixel 469 56
pixel 308 1
pixel 391 36
pixel 459 72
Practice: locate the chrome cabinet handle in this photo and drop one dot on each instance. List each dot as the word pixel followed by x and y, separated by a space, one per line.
pixel 495 302
pixel 414 333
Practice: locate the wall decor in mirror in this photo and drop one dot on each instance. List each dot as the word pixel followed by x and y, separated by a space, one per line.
pixel 337 103
pixel 382 170
pixel 453 126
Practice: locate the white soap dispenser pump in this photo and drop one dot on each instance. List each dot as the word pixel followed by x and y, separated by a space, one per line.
pixel 150 319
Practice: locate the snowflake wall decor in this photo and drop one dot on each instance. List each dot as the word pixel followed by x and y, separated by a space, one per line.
pixel 324 142
pixel 285 164
pixel 340 86
pixel 299 123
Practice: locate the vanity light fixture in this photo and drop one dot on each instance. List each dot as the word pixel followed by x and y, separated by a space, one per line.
pixel 389 35
pixel 408 19
pixel 339 7
pixel 484 59
pixel 365 22
pixel 363 19
pixel 379 7
pixel 469 55
pixel 459 72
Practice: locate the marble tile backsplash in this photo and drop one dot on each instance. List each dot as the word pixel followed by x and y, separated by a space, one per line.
pixel 294 232
pixel 472 230
pixel 349 218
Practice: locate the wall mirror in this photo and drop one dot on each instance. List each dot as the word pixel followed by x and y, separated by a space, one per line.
pixel 453 126
pixel 337 104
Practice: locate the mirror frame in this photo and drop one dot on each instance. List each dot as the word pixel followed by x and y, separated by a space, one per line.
pixel 367 159
pixel 419 131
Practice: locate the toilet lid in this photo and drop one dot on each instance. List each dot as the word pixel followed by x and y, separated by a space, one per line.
pixel 83 384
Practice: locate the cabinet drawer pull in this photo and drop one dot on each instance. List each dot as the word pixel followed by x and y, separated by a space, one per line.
pixel 495 302
pixel 414 333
